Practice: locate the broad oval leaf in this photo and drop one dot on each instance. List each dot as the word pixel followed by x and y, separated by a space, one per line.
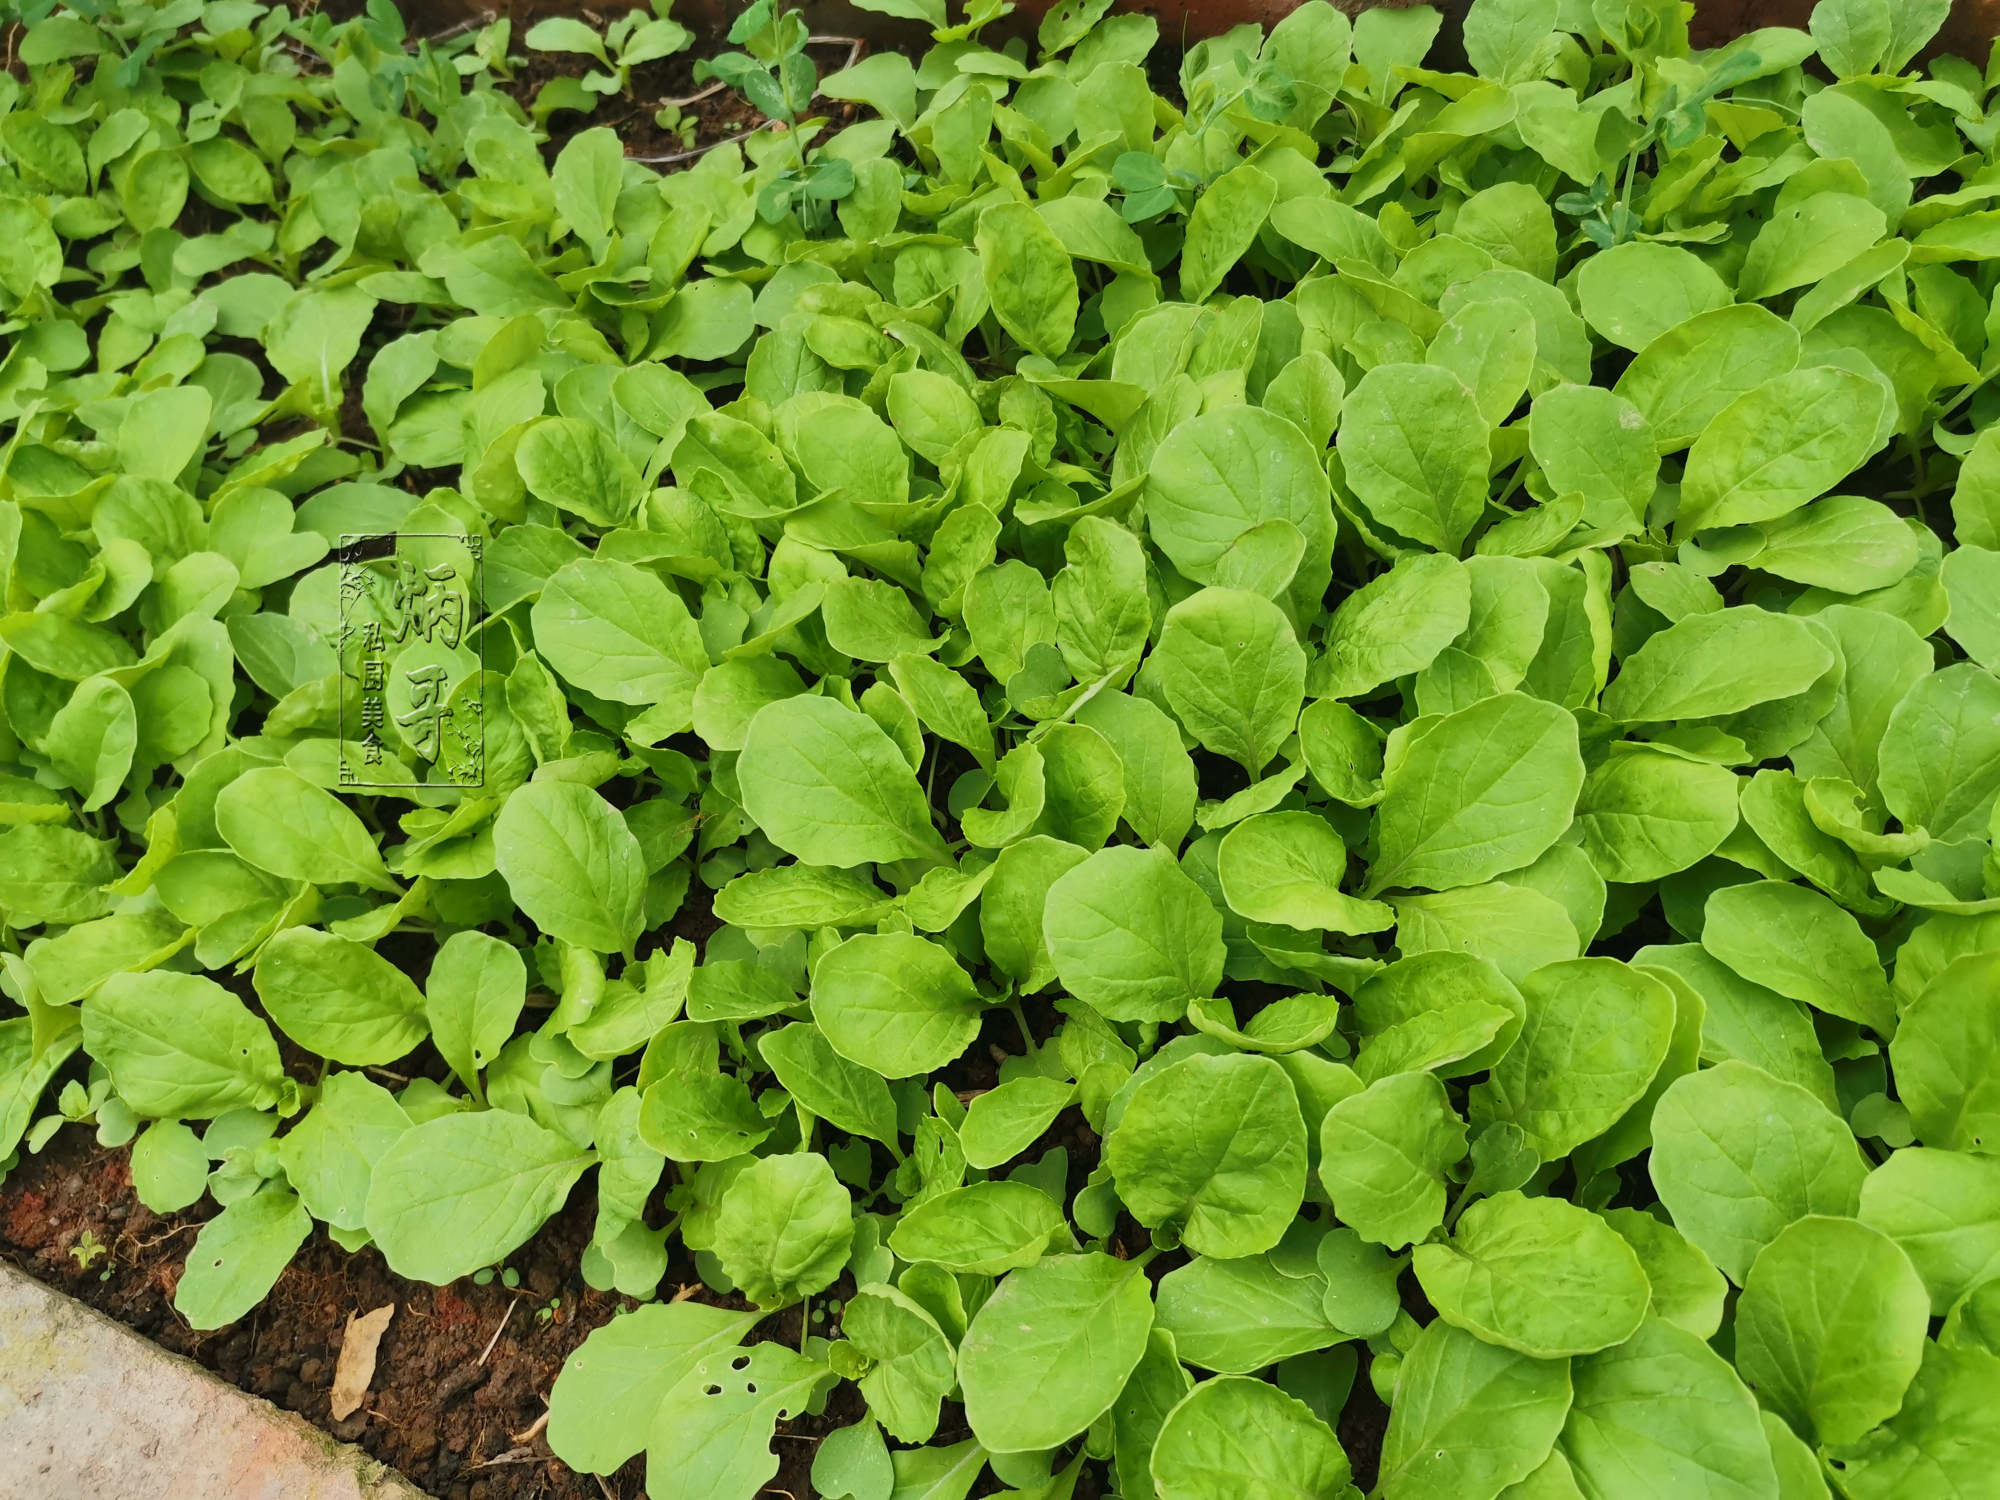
pixel 1225 471
pixel 1232 1434
pixel 1830 1329
pixel 572 863
pixel 1738 1155
pixel 1051 1350
pixel 1132 936
pixel 467 1190
pixel 1217 1145
pixel 827 785
pixel 1475 793
pixel 1537 1275
pixel 1470 1417
pixel 895 1004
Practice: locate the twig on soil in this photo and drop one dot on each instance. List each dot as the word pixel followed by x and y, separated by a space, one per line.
pixel 515 1456
pixel 534 1431
pixel 386 1073
pixel 180 1229
pixel 500 1330
pixel 855 45
pixel 669 160
pixel 714 88
pixel 606 1488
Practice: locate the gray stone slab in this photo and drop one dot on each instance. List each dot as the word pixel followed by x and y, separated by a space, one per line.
pixel 89 1410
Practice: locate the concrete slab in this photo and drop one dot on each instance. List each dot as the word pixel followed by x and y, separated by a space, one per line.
pixel 89 1410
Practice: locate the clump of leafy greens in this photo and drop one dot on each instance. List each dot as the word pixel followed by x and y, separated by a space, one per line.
pixel 1415 650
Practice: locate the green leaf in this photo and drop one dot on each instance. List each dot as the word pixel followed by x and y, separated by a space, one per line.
pixel 1738 1155
pixel 1050 1351
pixel 180 1047
pixel 467 1190
pixel 1593 443
pixel 1746 1022
pixel 1943 1209
pixel 1635 292
pixel 1413 445
pixel 853 1463
pixel 1029 278
pixel 1233 1434
pixel 1225 471
pixel 1940 753
pixel 330 1155
pixel 846 1096
pixel 937 1473
pixel 278 822
pixel 1394 625
pixel 1233 672
pixel 1470 1417
pixel 169 1167
pixel 1225 220
pixel 1687 1289
pixel 1383 1157
pixel 238 1257
pixel 1512 780
pixel 1159 778
pixel 1663 1412
pixel 91 740
pixel 1974 622
pixel 473 997
pixel 339 998
pixel 1003 1122
pixel 1286 868
pixel 1238 1316
pixel 617 631
pixel 895 1004
pixel 1770 451
pixel 1132 936
pixel 1597 1031
pixel 1800 944
pixel 1430 996
pixel 711 1434
pixel 915 1365
pixel 572 864
pixel 1647 814
pixel 1536 1275
pixel 827 785
pixel 604 1399
pixel 1943 1442
pixel 986 1227
pixel 1806 240
pixel 1830 1329
pixel 1516 929
pixel 1689 373
pixel 1015 897
pixel 692 1115
pixel 1947 1058
pixel 1217 1146
pixel 1721 663
pixel 785 1229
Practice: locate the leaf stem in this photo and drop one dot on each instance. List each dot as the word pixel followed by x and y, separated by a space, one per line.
pixel 1021 1020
